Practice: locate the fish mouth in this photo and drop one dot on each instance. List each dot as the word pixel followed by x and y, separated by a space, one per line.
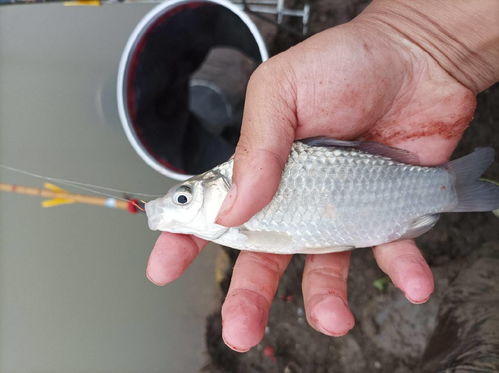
pixel 153 213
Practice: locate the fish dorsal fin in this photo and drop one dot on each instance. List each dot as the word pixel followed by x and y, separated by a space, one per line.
pixel 420 225
pixel 328 141
pixel 399 155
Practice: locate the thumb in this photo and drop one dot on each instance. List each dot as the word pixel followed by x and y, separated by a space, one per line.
pixel 267 133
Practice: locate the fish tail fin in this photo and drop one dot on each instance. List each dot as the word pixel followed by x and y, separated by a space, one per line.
pixel 474 194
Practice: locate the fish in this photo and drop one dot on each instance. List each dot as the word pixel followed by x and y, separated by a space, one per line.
pixel 333 196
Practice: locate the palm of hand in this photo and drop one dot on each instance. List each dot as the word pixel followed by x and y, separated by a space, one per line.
pixel 362 86
pixel 345 83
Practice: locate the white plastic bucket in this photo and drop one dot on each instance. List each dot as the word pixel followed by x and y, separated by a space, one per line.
pixel 159 67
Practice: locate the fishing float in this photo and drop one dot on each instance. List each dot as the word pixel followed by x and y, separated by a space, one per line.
pixel 58 196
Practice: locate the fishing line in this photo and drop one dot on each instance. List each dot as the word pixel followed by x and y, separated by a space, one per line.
pixel 79 185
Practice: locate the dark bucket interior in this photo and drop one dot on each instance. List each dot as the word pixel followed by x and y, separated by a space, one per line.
pixel 159 85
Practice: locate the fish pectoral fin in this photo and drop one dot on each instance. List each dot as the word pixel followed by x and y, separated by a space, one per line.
pixel 267 240
pixel 372 147
pixel 420 225
pixel 326 249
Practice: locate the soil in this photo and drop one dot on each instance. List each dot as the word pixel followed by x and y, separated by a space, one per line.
pixel 391 335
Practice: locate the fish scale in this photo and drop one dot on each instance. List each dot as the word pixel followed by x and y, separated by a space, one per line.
pixel 363 188
pixel 333 196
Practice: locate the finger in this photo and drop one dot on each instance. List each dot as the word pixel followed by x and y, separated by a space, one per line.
pixel 325 293
pixel 408 270
pixel 171 255
pixel 266 136
pixel 252 288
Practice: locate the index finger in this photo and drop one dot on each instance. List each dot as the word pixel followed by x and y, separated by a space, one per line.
pixel 267 133
pixel 171 256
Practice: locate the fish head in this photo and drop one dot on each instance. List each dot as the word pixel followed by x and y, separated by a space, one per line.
pixel 191 207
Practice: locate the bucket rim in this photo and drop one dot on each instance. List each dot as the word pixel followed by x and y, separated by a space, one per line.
pixel 136 34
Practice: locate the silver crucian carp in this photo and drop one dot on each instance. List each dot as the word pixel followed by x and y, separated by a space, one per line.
pixel 333 196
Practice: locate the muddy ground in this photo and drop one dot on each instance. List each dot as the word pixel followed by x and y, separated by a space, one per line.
pixel 457 330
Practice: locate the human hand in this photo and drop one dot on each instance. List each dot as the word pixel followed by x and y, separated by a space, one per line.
pixel 359 80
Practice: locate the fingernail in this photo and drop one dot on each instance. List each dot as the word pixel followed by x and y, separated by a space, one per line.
pixel 235 348
pixel 152 280
pixel 413 301
pixel 243 326
pixel 227 204
pixel 418 290
pixel 230 345
pixel 415 279
pixel 332 316
pixel 160 274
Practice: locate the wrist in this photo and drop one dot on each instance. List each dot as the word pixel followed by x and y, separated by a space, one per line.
pixel 461 36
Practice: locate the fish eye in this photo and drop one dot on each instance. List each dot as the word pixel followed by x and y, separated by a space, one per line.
pixel 182 196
